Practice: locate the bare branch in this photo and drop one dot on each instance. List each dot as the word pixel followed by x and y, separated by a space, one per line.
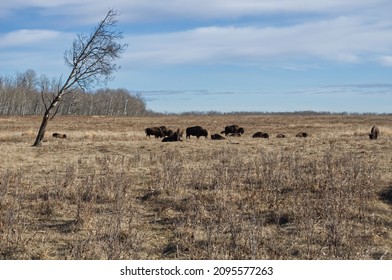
pixel 55 113
pixel 43 99
pixel 91 60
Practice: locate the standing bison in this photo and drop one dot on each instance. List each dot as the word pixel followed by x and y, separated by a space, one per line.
pixel 233 130
pixel 156 131
pixel 166 131
pixel 196 131
pixel 374 132
pixel 176 136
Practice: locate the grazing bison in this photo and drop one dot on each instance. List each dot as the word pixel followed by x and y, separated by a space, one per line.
pixel 260 135
pixel 156 131
pixel 374 132
pixel 176 136
pixel 280 136
pixel 233 130
pixel 217 137
pixel 59 135
pixel 302 134
pixel 196 131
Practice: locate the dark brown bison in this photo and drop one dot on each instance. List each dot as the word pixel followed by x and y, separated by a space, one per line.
pixel 156 131
pixel 166 131
pixel 374 132
pixel 280 136
pixel 233 130
pixel 302 134
pixel 176 136
pixel 59 135
pixel 196 131
pixel 217 137
pixel 260 135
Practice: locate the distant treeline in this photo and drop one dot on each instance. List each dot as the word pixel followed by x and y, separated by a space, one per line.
pixel 25 93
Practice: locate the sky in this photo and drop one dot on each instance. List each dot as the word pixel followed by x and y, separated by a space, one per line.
pixel 221 55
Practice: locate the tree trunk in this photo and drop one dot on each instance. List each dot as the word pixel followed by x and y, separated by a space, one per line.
pixel 45 120
pixel 42 129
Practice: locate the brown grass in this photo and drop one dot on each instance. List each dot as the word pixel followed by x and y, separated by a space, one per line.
pixel 108 192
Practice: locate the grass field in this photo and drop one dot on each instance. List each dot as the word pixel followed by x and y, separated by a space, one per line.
pixel 109 192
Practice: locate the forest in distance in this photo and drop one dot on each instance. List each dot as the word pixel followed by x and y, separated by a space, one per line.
pixel 24 94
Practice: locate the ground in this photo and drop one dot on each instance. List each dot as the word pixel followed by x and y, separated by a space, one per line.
pixel 109 192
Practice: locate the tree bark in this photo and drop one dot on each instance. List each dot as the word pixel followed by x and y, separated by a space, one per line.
pixel 42 129
pixel 45 120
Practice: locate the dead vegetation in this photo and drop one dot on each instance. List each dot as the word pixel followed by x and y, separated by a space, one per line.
pixel 110 192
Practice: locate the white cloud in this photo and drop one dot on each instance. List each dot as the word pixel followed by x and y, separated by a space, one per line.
pixel 341 39
pixel 386 60
pixel 27 37
pixel 345 31
pixel 41 50
pixel 152 10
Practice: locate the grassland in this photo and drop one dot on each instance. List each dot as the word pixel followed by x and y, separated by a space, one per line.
pixel 109 192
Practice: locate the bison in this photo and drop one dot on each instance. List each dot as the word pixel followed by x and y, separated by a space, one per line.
pixel 176 136
pixel 233 130
pixel 196 131
pixel 280 136
pixel 374 132
pixel 260 135
pixel 59 135
pixel 302 134
pixel 166 131
pixel 217 137
pixel 156 131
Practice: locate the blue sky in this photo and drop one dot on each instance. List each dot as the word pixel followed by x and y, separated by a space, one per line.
pixel 222 55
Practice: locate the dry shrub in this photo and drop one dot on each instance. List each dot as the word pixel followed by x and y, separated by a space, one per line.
pixel 230 205
pixel 12 228
pixel 90 204
pixel 105 195
pixel 271 205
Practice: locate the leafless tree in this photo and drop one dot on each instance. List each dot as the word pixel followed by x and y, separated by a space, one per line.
pixel 91 60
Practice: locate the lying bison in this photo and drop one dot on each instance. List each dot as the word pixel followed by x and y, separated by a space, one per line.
pixel 280 136
pixel 233 130
pixel 156 131
pixel 59 135
pixel 217 137
pixel 176 136
pixel 260 135
pixel 302 134
pixel 374 132
pixel 196 131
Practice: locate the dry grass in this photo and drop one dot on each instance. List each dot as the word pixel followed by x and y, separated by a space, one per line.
pixel 108 192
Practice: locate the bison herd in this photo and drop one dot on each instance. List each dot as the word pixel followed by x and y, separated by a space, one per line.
pixel 169 135
pixel 231 130
pixel 159 132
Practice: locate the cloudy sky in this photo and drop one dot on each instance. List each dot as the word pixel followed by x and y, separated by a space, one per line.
pixel 223 55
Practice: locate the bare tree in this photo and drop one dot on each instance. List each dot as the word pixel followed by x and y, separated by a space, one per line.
pixel 91 60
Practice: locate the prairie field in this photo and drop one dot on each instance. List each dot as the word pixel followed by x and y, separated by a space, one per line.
pixel 109 192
